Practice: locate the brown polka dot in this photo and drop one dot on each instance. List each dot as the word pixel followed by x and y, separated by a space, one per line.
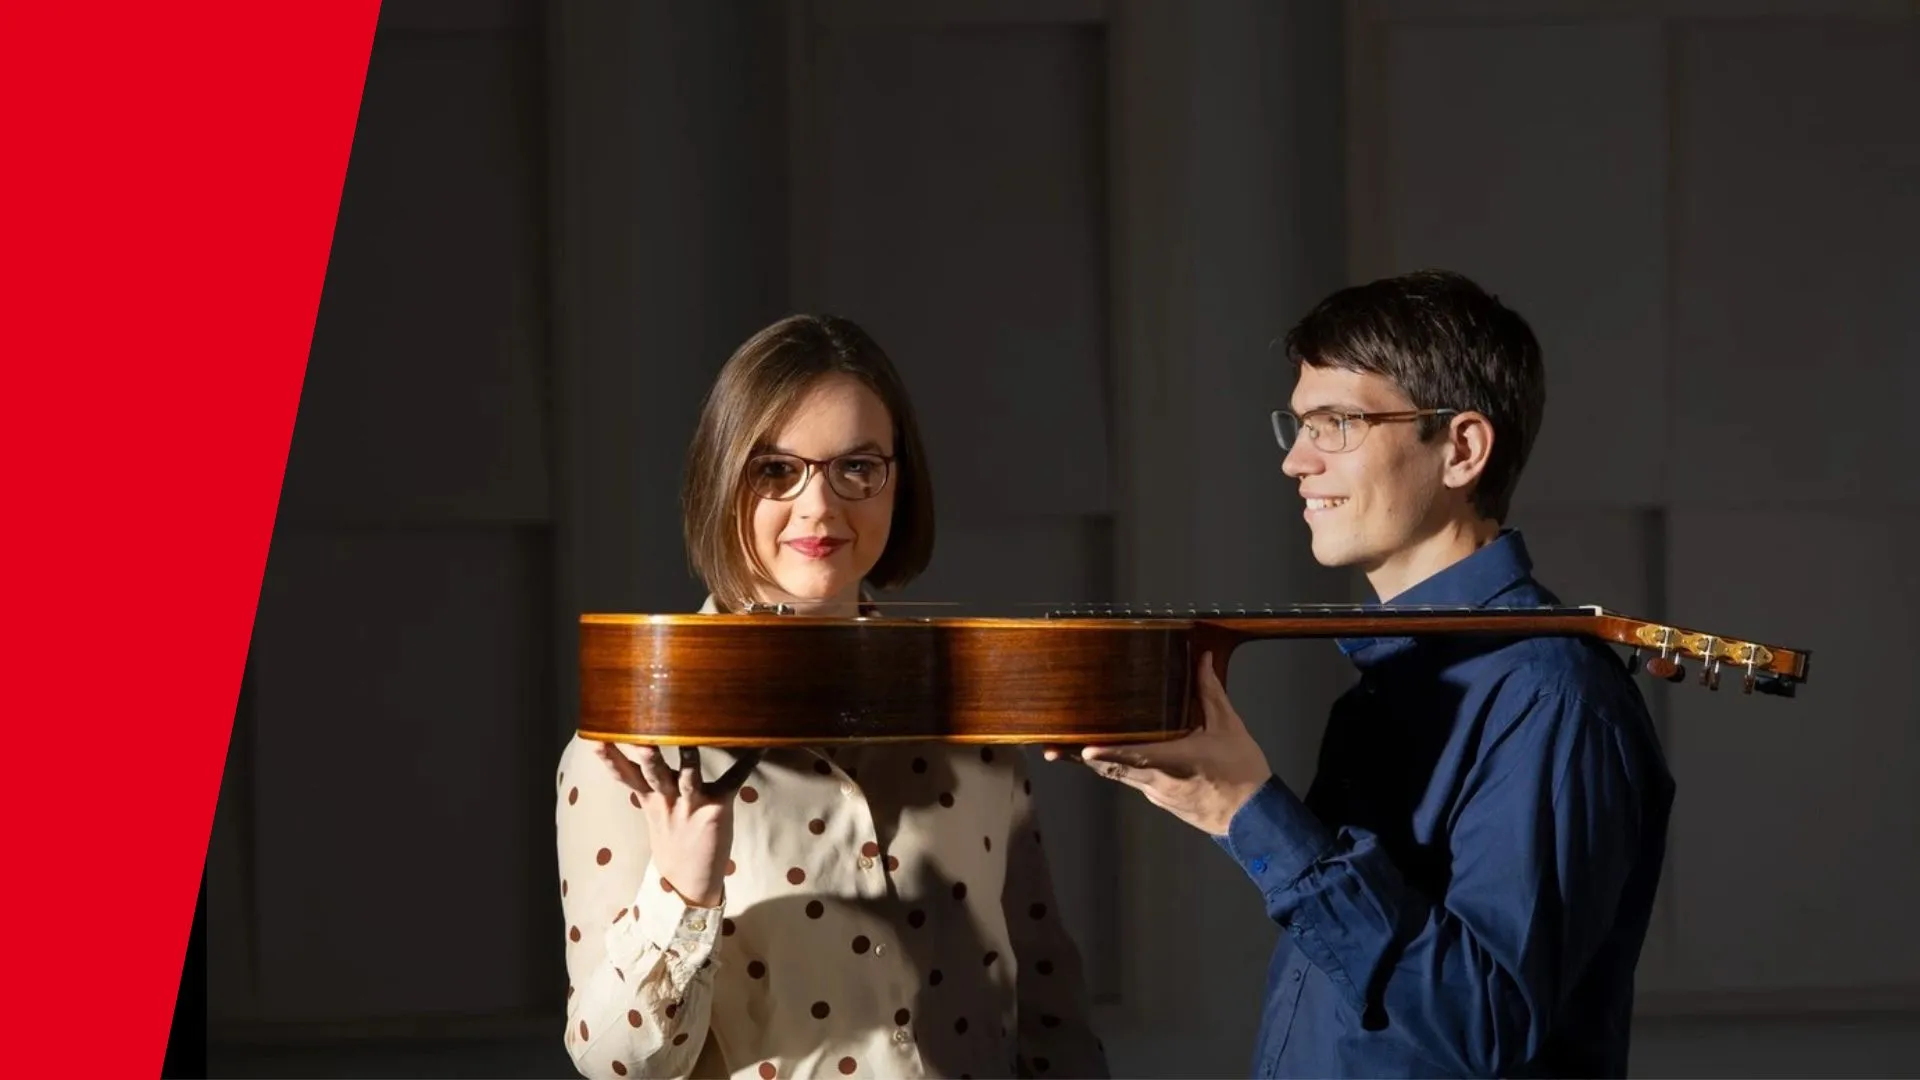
pixel 946 798
pixel 916 918
pixel 1028 786
pixel 726 927
pixel 665 885
pixel 756 970
pixel 821 1009
pixel 934 977
pixel 1041 1064
pixel 563 886
pixel 633 1017
pixel 619 1069
pixel 1038 911
pixel 991 957
pixel 1044 967
pixel 987 841
pixel 634 798
pixel 861 944
pixel 583 1031
pixel 767 1071
pixel 869 849
pixel 573 796
pixel 749 794
pixel 919 764
pixel 569 991
pixel 821 766
pixel 847 1066
pixel 816 826
pixel 673 1009
pixel 986 753
pixel 621 975
pixel 902 1017
pixel 960 1026
pixel 621 914
pixel 1050 1021
pixel 796 875
pixel 893 864
pixel 680 1038
pixel 605 856
pixel 815 909
pixel 959 890
pixel 730 868
pixel 573 933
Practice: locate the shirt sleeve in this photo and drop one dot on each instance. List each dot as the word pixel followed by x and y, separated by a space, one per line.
pixel 1055 1035
pixel 1541 852
pixel 639 993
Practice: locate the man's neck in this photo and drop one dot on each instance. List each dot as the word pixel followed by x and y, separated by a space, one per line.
pixel 1451 542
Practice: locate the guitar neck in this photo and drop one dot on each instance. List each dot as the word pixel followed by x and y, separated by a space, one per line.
pixel 1767 668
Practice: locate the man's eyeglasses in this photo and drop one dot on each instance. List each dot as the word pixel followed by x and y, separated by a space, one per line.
pixel 851 476
pixel 1333 432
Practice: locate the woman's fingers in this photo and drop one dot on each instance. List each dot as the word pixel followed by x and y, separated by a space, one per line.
pixel 689 771
pixel 658 777
pixel 625 769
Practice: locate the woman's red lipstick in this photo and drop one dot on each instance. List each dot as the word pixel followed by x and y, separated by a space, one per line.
pixel 816 547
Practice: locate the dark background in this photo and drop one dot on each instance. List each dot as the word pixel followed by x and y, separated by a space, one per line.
pixel 1078 225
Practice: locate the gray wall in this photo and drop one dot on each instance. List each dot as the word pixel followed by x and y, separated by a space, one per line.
pixel 1078 226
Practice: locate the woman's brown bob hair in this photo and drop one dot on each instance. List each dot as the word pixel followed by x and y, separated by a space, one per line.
pixel 758 389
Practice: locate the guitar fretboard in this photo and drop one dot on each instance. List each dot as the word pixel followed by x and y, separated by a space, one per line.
pixel 1381 613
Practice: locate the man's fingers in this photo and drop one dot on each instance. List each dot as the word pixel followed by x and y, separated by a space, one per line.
pixel 736 775
pixel 1217 710
pixel 1123 755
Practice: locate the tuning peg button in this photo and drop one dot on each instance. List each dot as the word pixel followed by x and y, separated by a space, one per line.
pixel 1665 667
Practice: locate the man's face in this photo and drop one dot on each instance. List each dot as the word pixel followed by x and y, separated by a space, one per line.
pixel 1375 504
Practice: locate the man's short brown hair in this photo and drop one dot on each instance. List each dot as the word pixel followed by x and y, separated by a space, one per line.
pixel 1447 344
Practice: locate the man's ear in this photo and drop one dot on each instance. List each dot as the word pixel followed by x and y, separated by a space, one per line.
pixel 1469 442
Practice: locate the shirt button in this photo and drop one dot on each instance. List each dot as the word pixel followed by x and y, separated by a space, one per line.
pixel 697 925
pixel 866 863
pixel 880 950
pixel 1296 975
pixel 846 791
pixel 1259 866
pixel 900 1038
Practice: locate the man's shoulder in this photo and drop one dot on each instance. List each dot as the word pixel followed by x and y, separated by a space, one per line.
pixel 1566 669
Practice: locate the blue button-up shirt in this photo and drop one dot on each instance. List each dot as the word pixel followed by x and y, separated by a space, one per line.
pixel 1466 887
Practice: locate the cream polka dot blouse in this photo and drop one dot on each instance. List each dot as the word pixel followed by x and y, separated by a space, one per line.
pixel 889 913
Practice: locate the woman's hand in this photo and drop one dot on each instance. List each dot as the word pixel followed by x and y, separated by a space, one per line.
pixel 689 821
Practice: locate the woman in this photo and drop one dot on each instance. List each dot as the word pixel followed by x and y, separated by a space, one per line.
pixel 875 910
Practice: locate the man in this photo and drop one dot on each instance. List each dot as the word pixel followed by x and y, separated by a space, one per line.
pixel 1466 886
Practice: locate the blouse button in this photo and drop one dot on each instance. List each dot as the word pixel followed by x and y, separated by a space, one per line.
pixel 866 863
pixel 900 1038
pixel 879 950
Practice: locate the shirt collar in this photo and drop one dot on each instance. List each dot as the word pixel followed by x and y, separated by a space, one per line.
pixel 712 607
pixel 1475 581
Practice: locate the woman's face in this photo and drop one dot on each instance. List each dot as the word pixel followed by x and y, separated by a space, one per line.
pixel 819 545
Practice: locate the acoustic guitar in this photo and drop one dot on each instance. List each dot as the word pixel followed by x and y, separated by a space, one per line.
pixel 1073 677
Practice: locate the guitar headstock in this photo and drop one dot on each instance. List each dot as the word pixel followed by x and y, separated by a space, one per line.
pixel 1663 652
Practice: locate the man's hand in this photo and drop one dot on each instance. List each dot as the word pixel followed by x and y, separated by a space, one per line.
pixel 1203 778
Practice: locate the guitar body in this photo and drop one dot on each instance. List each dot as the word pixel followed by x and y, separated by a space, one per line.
pixel 767 680
pixel 1071 678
